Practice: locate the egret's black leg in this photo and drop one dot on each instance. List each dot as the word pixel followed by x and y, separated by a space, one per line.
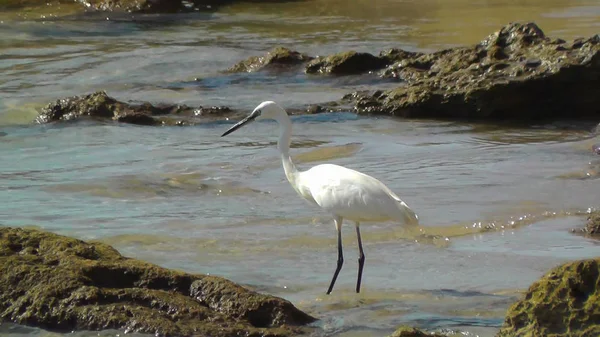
pixel 361 258
pixel 340 261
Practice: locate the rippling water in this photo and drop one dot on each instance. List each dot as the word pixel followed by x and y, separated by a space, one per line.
pixel 495 202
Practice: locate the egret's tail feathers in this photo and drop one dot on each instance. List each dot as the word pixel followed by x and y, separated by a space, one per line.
pixel 410 217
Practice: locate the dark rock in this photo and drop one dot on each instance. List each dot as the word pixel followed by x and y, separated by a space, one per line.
pixel 63 284
pixel 406 331
pixel 591 228
pixel 101 106
pixel 97 104
pixel 277 58
pixel 346 63
pixel 137 118
pixel 593 224
pixel 398 55
pixel 596 148
pixel 260 310
pixel 514 74
pixel 213 111
pixel 564 302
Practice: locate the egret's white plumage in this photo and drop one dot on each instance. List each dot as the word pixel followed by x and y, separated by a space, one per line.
pixel 353 195
pixel 343 192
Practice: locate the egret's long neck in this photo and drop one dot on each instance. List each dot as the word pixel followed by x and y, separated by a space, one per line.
pixel 283 145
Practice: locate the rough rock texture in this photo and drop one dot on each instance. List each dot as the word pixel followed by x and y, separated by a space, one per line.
pixel 593 225
pixel 515 73
pixel 406 331
pixel 565 302
pixel 346 63
pixel 63 284
pixel 277 58
pixel 101 106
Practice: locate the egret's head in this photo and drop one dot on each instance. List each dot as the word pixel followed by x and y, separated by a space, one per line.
pixel 265 110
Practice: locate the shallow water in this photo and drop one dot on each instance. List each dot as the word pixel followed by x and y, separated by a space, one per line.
pixel 496 202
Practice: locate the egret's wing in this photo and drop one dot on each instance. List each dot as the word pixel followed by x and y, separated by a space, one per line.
pixel 335 187
pixel 352 194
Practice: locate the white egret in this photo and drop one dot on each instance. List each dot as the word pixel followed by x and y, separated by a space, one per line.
pixel 343 192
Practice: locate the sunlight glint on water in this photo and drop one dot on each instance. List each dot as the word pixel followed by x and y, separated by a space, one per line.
pixel 495 203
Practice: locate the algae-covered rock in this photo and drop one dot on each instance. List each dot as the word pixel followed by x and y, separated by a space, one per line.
pixel 564 302
pixel 98 105
pixel 516 73
pixel 63 284
pixel 406 331
pixel 101 106
pixel 346 63
pixel 277 58
pixel 593 224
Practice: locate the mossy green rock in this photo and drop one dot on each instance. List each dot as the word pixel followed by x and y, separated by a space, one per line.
pixel 99 105
pixel 516 73
pixel 346 63
pixel 278 58
pixel 63 284
pixel 593 224
pixel 406 331
pixel 565 302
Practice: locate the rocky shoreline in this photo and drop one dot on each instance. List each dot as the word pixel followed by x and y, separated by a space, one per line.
pixel 63 284
pixel 515 74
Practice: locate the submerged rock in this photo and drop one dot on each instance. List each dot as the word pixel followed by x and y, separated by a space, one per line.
pixel 406 331
pixel 346 63
pixel 63 284
pixel 100 105
pixel 515 73
pixel 564 302
pixel 277 58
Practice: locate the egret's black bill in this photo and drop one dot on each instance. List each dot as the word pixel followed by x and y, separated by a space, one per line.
pixel 239 124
